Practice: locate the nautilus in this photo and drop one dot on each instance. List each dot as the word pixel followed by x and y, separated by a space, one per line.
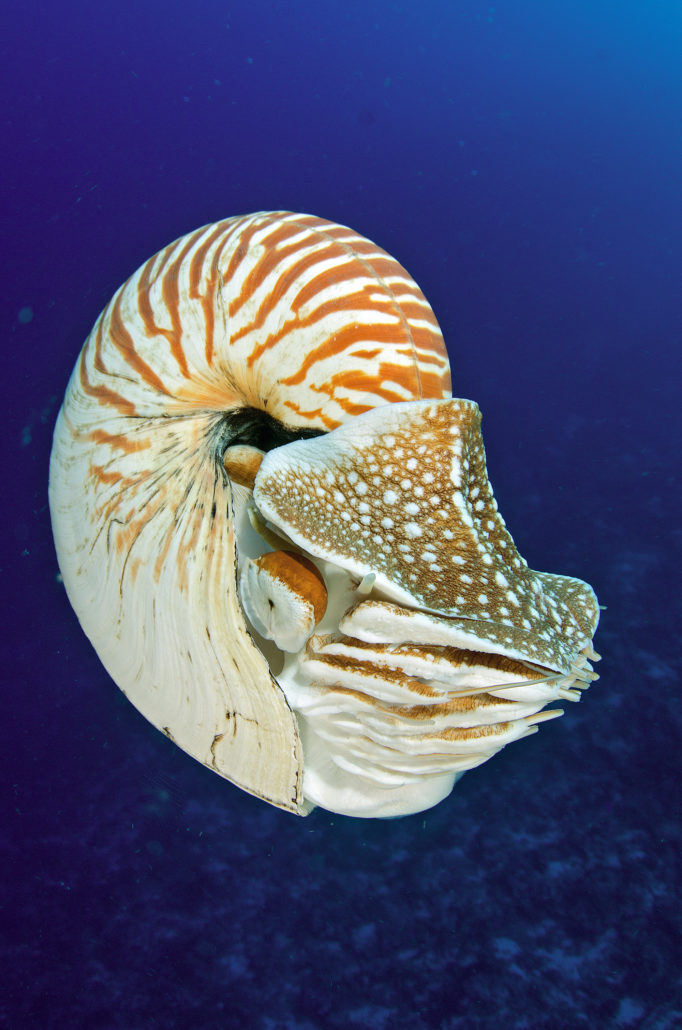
pixel 275 525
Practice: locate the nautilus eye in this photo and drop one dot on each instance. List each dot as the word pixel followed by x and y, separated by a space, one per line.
pixel 276 527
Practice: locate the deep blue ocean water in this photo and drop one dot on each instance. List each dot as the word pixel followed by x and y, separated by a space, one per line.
pixel 524 161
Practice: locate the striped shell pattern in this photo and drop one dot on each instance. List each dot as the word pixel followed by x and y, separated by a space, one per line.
pixel 276 528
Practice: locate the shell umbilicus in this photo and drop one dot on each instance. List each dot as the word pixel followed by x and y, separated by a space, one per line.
pixel 277 530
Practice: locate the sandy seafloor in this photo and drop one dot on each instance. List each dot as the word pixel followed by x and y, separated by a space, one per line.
pixel 523 161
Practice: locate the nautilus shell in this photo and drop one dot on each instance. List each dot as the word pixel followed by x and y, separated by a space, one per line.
pixel 276 527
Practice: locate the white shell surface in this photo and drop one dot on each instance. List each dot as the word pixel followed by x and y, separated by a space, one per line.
pixel 293 318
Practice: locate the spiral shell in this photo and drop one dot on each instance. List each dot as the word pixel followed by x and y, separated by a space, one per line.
pixel 264 642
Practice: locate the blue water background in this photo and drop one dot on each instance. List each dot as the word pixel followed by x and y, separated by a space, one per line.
pixel 524 162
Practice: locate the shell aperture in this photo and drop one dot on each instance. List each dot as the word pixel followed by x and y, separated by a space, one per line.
pixel 284 335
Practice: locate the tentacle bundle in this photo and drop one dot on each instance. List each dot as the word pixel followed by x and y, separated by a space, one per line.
pixel 282 332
